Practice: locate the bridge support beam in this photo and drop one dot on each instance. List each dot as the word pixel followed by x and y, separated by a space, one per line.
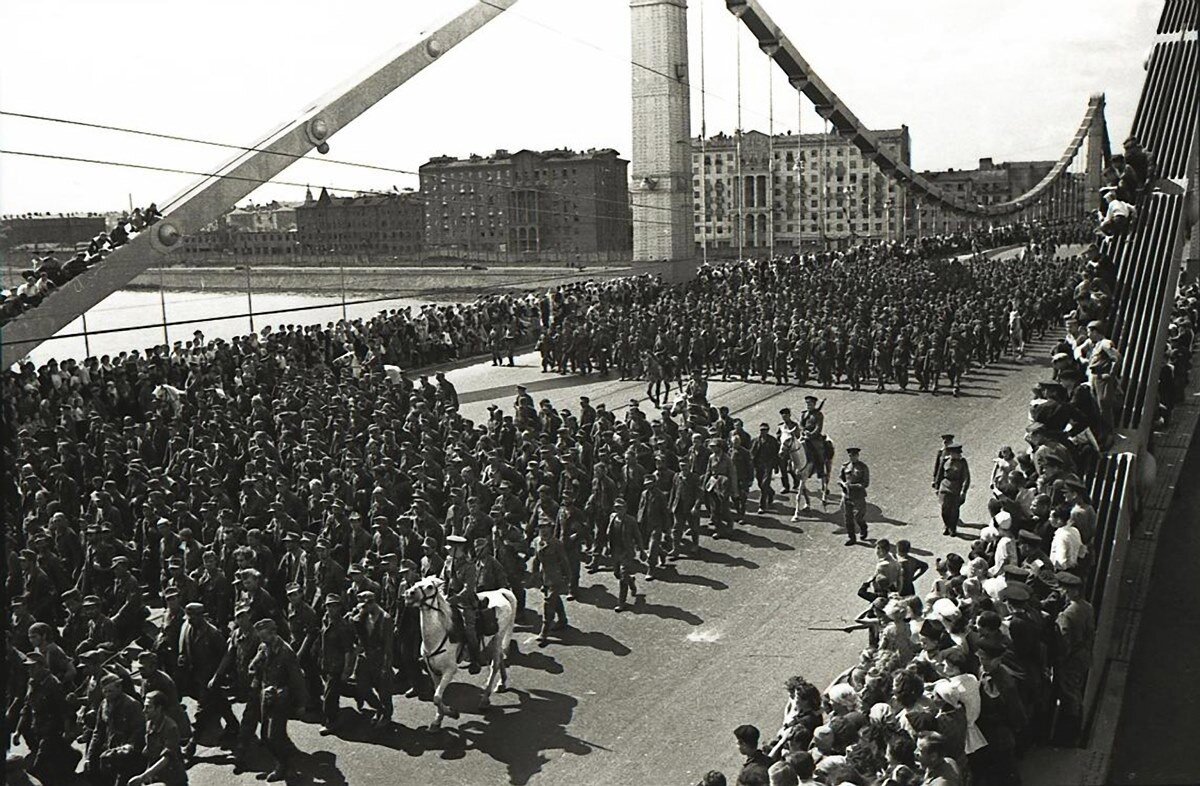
pixel 661 161
pixel 1097 154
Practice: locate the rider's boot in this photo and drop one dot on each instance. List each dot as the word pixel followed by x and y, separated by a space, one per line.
pixel 472 637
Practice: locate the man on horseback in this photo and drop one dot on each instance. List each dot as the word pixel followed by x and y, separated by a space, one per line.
pixel 812 431
pixel 461 590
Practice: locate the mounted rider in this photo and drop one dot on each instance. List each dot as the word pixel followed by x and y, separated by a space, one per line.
pixel 462 591
pixel 812 431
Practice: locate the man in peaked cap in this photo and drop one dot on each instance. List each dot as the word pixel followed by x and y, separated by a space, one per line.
pixel 947 441
pixel 952 488
pixel 1075 627
pixel 854 479
pixel 462 591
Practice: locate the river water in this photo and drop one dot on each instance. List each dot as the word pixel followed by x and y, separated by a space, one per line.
pixel 221 314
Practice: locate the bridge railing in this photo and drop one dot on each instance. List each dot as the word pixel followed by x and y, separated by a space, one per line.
pixel 1147 262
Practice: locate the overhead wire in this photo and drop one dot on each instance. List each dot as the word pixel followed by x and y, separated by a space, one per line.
pixel 293 156
pixel 259 181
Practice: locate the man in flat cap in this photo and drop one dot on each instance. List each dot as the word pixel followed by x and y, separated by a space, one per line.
pixel 114 750
pixel 201 648
pixel 336 646
pixel 42 723
pixel 374 631
pixel 281 682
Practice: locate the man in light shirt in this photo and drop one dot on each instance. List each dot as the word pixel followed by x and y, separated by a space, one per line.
pixel 1066 548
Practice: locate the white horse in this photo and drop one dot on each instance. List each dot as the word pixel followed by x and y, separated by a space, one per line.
pixel 806 466
pixel 441 655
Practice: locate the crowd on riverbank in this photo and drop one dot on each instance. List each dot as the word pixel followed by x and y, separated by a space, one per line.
pixel 275 495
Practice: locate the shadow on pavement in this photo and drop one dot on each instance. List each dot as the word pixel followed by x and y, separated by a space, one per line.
pixel 671 575
pixel 318 768
pixel 519 736
pixel 757 541
pixel 721 558
pixel 597 640
pixel 665 612
pixel 766 521
pixel 535 660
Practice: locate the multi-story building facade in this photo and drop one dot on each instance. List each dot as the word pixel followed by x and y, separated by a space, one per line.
pixel 50 230
pixel 992 184
pixel 796 191
pixel 271 217
pixel 527 203
pixel 374 224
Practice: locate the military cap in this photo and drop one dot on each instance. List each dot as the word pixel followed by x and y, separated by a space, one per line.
pixel 194 608
pixel 785 411
pixel 292 587
pixel 33 658
pixel 354 570
pixel 266 623
pixel 241 609
pixel 366 596
pixel 947 438
pixel 171 592
pixel 28 554
pixel 333 599
pixel 147 656
pixel 109 679
pixel 1096 324
pixel 456 540
pixel 954 447
pixel 810 398
pixel 1066 579
pixel 1016 591
pixel 173 562
pixel 291 537
pixel 91 600
pixel 854 451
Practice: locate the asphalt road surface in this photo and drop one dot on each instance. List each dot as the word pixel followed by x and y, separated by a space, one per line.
pixel 652 696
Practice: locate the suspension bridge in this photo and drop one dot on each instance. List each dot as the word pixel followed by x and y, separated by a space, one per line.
pixel 643 698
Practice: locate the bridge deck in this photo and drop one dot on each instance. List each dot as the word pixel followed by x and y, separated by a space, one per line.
pixel 653 695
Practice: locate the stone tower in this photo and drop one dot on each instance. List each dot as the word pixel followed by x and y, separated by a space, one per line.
pixel 661 164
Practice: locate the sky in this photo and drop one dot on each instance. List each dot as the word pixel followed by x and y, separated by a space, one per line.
pixel 1008 80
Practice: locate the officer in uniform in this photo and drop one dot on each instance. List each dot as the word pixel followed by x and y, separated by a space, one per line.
pixel 854 479
pixel 952 489
pixel 461 589
pixel 1076 629
pixel 812 428
pixel 788 429
pixel 947 440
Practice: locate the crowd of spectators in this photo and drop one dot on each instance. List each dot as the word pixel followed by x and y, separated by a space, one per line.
pixel 993 656
pixel 45 274
pixel 237 521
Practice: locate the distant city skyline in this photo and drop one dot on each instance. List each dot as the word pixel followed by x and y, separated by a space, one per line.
pixel 546 74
